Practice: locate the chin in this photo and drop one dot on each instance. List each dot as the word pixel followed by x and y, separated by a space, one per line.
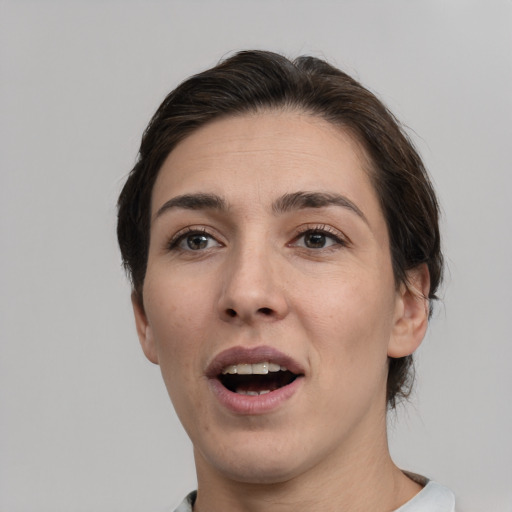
pixel 261 472
pixel 257 464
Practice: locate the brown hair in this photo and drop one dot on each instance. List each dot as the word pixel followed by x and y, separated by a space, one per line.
pixel 257 80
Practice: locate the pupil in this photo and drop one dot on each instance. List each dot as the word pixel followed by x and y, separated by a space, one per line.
pixel 315 240
pixel 196 242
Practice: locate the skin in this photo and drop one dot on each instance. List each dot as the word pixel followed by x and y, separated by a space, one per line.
pixel 334 308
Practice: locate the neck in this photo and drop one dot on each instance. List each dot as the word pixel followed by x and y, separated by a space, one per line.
pixel 356 479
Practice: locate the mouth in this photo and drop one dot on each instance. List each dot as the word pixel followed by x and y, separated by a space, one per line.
pixel 254 379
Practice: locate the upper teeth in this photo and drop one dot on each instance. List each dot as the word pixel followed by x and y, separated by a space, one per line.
pixel 256 368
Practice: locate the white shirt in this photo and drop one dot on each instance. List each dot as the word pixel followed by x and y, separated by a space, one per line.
pixel 432 498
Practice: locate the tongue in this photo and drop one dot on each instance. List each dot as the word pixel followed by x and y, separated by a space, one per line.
pixel 254 388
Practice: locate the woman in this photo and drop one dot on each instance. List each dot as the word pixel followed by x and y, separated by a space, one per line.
pixel 282 239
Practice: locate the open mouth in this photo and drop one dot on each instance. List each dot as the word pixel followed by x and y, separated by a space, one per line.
pixel 255 379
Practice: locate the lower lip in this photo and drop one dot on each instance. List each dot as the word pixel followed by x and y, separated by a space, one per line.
pixel 254 405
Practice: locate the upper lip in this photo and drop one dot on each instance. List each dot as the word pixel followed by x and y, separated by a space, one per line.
pixel 241 355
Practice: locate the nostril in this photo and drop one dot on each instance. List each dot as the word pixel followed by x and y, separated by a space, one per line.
pixel 231 312
pixel 265 311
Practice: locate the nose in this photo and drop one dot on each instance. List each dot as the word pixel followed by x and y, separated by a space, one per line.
pixel 254 288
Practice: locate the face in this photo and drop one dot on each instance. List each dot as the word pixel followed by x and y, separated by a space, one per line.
pixel 269 298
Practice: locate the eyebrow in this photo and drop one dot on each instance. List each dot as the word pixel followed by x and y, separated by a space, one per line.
pixel 303 200
pixel 194 202
pixel 286 203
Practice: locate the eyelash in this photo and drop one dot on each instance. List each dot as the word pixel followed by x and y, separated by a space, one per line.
pixel 322 229
pixel 178 238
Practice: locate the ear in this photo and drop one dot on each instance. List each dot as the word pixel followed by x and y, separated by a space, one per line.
pixel 411 313
pixel 144 330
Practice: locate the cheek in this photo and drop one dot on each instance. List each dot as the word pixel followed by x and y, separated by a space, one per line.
pixel 349 321
pixel 174 307
pixel 179 317
pixel 180 331
pixel 347 303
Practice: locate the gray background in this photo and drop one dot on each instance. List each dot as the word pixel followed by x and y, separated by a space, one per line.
pixel 85 421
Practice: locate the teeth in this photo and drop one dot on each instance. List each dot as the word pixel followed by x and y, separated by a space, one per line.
pixel 252 393
pixel 244 369
pixel 253 369
pixel 260 368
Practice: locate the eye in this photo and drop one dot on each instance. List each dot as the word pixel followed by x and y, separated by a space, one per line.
pixel 317 238
pixel 193 240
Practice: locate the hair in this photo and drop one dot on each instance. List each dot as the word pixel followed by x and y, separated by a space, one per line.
pixel 253 81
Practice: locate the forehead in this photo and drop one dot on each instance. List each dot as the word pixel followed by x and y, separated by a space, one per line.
pixel 255 157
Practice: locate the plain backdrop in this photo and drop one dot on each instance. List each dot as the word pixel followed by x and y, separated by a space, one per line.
pixel 85 421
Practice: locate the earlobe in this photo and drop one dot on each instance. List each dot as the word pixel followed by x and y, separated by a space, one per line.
pixel 411 314
pixel 144 330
